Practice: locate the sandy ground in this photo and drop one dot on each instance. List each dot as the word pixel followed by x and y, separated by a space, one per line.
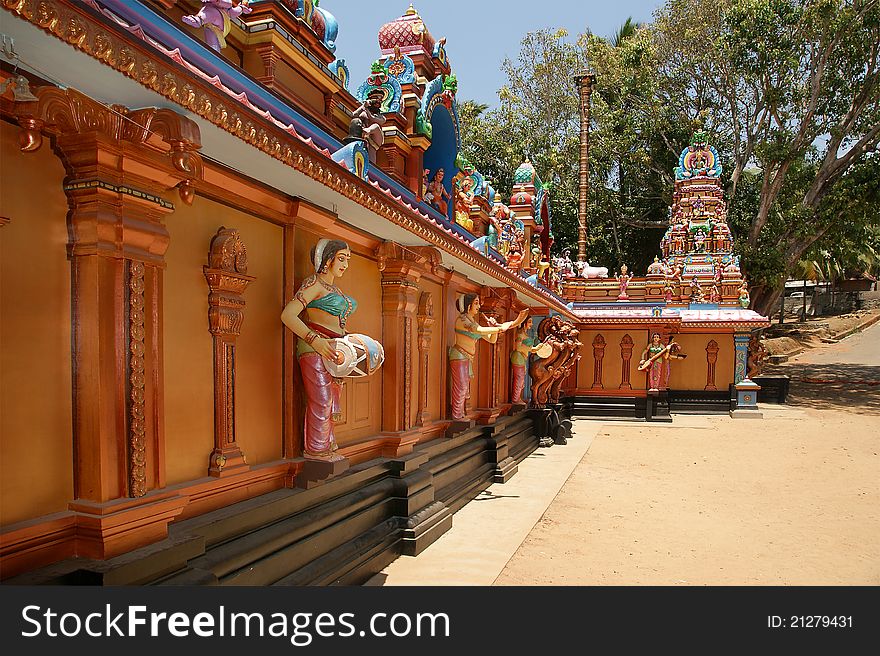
pixel 790 500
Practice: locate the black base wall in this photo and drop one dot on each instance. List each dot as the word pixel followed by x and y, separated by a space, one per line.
pixel 340 532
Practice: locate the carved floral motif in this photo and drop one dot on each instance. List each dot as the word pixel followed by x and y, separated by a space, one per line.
pixel 137 447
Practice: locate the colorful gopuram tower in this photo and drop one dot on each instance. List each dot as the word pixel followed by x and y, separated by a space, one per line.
pixel 699 265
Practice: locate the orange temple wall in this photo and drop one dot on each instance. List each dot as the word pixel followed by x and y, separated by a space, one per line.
pixel 36 472
pixel 687 374
pixel 189 391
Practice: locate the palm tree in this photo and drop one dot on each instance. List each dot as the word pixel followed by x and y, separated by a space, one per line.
pixel 625 31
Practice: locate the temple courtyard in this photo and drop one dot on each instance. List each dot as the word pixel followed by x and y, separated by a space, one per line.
pixel 705 500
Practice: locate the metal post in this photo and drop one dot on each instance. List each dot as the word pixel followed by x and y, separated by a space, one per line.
pixel 805 300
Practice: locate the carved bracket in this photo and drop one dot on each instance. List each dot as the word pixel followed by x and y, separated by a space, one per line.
pixel 68 111
pixel 426 258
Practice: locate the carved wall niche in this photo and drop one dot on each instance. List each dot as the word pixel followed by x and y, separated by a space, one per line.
pixel 626 351
pixel 226 275
pixel 425 320
pixel 598 357
pixel 712 349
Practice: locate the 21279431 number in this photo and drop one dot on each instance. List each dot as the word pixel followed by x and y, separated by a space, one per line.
pixel 810 622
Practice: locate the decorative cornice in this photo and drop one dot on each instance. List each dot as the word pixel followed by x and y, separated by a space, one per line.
pixel 126 191
pixel 216 103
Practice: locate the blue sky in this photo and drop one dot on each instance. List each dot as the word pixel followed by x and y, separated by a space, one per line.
pixel 480 33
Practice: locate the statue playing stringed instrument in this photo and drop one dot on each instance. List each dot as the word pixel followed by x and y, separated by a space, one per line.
pixel 652 359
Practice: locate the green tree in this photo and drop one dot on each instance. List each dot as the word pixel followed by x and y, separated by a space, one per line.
pixel 792 86
pixel 539 116
pixel 789 91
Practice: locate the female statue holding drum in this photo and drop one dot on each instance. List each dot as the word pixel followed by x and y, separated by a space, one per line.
pixel 461 354
pixel 324 350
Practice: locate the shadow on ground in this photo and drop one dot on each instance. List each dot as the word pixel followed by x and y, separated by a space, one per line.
pixel 849 387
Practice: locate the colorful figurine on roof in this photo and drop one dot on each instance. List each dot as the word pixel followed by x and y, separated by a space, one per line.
pixel 435 192
pixel 464 196
pixel 698 160
pixel 529 203
pixel 322 22
pixel 215 17
pixel 422 137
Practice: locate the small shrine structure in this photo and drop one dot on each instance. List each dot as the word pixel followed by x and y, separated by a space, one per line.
pixel 694 295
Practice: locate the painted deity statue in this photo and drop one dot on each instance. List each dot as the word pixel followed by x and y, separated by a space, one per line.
pixel 565 265
pixel 436 194
pixel 623 282
pixel 744 298
pixel 653 358
pixel 757 355
pixel 543 266
pixel 463 199
pixel 697 295
pixel 523 345
pixel 367 121
pixel 327 309
pixel 468 332
pixel 215 17
pixel 492 232
pixel 515 257
pixel 549 370
pixel 714 294
pixel 564 366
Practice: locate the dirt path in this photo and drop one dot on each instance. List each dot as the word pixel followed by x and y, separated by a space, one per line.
pixel 792 500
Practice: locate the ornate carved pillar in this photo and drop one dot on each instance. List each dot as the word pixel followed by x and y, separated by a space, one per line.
pixel 741 346
pixel 400 296
pixel 118 163
pixel 425 320
pixel 227 279
pixel 711 360
pixel 598 356
pixel 626 352
pixel 486 367
pixel 512 306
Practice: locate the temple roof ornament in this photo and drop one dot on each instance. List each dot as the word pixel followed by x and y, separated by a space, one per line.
pixel 326 27
pixel 379 79
pixel 698 160
pixel 526 175
pixel 401 67
pixel 409 33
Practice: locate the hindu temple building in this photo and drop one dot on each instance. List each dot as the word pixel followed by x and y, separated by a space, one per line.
pixel 250 334
pixel 694 296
